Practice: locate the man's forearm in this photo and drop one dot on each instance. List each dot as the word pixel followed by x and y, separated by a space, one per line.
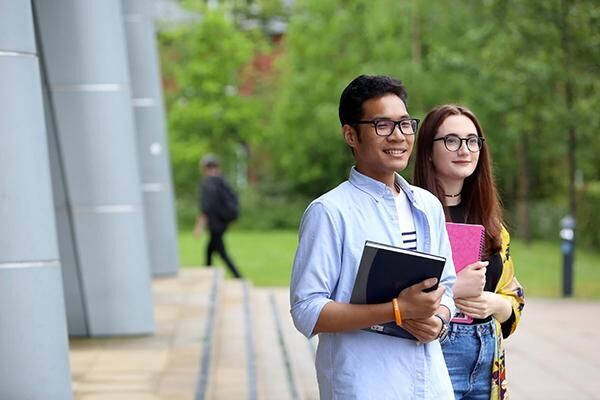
pixel 342 317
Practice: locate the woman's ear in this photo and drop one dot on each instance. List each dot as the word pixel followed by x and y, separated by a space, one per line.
pixel 350 135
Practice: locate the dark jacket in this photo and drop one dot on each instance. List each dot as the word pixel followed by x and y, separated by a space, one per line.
pixel 210 190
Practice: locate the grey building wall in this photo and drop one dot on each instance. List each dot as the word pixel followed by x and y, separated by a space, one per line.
pixel 34 361
pixel 153 155
pixel 96 176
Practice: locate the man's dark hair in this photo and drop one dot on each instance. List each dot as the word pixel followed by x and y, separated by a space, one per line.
pixel 363 88
pixel 210 161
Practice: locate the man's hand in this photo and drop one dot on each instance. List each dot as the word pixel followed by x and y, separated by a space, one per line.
pixel 414 303
pixel 470 281
pixel 425 330
pixel 199 227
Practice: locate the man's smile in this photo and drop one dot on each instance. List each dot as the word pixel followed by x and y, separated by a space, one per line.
pixel 396 152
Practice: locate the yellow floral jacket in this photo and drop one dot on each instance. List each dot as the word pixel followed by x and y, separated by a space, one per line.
pixel 509 287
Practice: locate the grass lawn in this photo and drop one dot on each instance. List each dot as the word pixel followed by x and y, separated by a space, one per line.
pixel 539 268
pixel 265 258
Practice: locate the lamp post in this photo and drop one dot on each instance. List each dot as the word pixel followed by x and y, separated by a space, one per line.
pixel 567 234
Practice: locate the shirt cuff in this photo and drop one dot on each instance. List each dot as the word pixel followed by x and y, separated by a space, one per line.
pixel 306 314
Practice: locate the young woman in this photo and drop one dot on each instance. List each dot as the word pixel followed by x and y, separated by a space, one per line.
pixel 454 164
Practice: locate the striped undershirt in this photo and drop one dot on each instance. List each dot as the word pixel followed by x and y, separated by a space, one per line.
pixel 405 219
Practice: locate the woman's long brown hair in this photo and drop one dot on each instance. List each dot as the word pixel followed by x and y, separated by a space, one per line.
pixel 479 195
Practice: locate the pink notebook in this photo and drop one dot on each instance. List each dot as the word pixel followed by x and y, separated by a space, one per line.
pixel 467 241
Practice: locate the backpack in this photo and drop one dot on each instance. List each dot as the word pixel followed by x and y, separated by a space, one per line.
pixel 229 207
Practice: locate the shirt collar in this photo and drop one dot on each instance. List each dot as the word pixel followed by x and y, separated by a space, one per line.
pixel 376 188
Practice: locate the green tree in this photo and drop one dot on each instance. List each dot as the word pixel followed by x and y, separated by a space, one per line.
pixel 540 65
pixel 203 67
pixel 328 44
pixel 529 70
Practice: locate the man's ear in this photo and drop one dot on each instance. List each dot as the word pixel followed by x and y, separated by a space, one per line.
pixel 350 135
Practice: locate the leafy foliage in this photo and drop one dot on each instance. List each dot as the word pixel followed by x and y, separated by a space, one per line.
pixel 507 60
pixel 529 70
pixel 203 73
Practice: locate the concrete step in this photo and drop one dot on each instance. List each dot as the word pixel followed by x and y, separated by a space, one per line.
pixel 300 351
pixel 161 366
pixel 228 373
pixel 273 381
pixel 193 320
pixel 216 339
pixel 255 351
pixel 195 294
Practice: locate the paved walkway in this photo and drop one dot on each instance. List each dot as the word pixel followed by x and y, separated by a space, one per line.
pixel 555 353
pixel 223 339
pixel 163 366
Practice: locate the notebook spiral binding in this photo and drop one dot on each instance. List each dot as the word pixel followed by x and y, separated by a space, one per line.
pixel 481 245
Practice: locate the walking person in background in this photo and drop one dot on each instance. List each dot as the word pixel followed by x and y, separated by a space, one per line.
pixel 454 163
pixel 377 204
pixel 218 207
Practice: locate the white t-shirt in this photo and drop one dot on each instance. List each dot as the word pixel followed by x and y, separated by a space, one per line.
pixel 407 224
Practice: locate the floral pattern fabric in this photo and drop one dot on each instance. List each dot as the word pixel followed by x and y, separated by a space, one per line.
pixel 508 287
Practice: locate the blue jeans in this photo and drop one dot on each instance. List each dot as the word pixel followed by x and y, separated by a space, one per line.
pixel 469 354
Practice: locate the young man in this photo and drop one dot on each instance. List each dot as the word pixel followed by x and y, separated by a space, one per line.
pixel 374 204
pixel 212 192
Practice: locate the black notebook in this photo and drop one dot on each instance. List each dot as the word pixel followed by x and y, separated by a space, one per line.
pixel 384 271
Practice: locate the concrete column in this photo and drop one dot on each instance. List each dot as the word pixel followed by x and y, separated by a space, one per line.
pixel 107 281
pixel 75 300
pixel 34 350
pixel 153 154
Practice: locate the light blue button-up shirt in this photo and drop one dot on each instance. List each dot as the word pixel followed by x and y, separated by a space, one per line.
pixel 359 364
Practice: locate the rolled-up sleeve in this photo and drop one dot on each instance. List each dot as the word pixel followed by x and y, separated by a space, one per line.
pixel 316 269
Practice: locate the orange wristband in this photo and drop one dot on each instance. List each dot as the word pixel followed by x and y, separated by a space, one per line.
pixel 397 312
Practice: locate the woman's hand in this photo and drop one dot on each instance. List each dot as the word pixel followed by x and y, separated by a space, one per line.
pixel 484 305
pixel 470 281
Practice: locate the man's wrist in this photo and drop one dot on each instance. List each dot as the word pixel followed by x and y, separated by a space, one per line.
pixel 397 313
pixel 444 329
pixel 403 308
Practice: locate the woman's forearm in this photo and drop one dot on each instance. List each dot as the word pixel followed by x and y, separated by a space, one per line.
pixel 502 309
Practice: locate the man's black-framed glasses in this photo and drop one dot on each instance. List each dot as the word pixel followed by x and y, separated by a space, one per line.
pixel 385 127
pixel 453 142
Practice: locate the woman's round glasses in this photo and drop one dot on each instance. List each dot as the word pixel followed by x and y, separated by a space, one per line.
pixel 385 127
pixel 453 142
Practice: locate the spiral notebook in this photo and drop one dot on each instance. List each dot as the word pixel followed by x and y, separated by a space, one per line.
pixel 466 241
